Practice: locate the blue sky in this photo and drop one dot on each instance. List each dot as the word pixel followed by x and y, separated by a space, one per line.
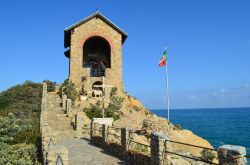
pixel 208 47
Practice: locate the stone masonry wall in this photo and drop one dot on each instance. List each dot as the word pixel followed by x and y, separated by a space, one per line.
pixel 52 154
pixel 95 27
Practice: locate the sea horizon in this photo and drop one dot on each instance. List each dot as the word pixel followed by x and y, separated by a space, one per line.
pixel 216 108
pixel 224 126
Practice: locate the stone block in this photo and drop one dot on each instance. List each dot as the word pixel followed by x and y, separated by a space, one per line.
pixel 106 121
pixel 79 124
pixel 68 107
pixel 64 99
pixel 232 155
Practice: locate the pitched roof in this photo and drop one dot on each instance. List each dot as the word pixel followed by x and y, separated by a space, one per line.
pixel 67 31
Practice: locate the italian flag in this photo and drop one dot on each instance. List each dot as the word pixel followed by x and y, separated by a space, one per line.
pixel 163 60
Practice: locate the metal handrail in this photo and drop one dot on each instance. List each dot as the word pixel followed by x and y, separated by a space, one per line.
pixel 247 156
pixel 140 143
pixel 194 158
pixel 191 145
pixel 114 127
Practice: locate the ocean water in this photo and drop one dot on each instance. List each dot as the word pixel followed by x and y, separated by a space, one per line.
pixel 218 126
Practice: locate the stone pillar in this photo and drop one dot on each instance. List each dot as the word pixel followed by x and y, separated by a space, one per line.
pixel 104 132
pixel 58 155
pixel 79 124
pixel 64 99
pixel 94 132
pixel 232 155
pixel 44 89
pixel 68 107
pixel 44 97
pixel 124 138
pixel 158 146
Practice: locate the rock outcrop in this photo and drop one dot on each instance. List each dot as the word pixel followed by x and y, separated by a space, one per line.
pixel 135 116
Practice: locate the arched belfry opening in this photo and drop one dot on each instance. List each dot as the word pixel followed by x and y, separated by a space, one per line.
pixel 97 55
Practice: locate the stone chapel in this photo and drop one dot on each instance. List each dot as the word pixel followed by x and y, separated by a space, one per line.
pixel 94 49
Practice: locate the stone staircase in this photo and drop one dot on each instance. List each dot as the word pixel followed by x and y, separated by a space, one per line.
pixel 57 120
pixel 56 125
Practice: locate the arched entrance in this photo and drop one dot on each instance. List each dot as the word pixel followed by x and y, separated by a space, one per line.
pixel 97 89
pixel 97 55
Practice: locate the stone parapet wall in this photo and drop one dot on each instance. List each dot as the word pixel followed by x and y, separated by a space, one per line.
pixel 52 154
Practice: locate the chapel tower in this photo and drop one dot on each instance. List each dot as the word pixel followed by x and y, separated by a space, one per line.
pixel 94 49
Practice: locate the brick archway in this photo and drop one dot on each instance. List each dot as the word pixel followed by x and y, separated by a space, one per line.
pixel 96 34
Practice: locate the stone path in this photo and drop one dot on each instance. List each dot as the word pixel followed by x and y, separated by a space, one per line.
pixel 81 151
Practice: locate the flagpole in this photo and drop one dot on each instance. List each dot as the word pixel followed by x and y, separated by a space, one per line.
pixel 167 88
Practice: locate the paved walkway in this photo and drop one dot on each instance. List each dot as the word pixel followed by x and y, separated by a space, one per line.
pixel 81 151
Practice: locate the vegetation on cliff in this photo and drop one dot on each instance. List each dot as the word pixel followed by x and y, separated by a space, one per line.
pixel 12 152
pixel 20 108
pixel 24 101
pixel 69 89
pixel 113 109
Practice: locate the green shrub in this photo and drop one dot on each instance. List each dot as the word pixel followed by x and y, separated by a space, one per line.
pixel 11 153
pixel 94 111
pixel 70 90
pixel 10 126
pixel 51 86
pixel 207 155
pixel 18 154
pixel 65 82
pixel 24 101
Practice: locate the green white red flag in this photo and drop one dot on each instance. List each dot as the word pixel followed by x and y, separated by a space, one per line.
pixel 163 60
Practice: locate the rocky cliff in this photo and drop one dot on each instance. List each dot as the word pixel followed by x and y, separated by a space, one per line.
pixel 138 118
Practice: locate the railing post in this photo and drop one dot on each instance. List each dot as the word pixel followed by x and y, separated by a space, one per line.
pixel 79 124
pixel 158 147
pixel 232 155
pixel 130 138
pixel 93 127
pixel 104 132
pixel 124 138
pixel 91 130
pixel 64 99
pixel 68 107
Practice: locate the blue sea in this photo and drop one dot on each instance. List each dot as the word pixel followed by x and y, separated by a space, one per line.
pixel 218 126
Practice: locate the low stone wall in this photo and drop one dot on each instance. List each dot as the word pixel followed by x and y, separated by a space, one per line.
pixel 120 145
pixel 52 154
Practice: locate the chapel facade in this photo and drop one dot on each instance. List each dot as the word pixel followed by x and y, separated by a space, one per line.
pixel 94 48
